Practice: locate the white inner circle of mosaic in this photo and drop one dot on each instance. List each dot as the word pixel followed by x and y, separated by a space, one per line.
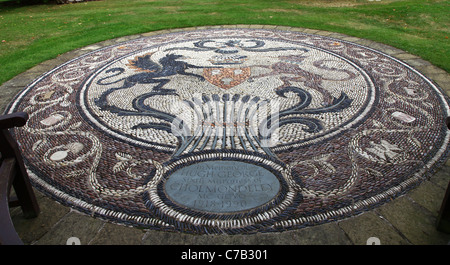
pixel 338 93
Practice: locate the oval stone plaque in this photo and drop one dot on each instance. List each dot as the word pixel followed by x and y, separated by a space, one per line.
pixel 222 186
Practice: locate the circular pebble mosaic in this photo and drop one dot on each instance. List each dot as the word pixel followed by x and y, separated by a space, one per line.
pixel 231 130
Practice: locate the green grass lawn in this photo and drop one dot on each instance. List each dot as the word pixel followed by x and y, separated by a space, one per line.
pixel 32 34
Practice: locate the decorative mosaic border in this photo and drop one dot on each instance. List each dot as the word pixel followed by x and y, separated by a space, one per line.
pixel 159 220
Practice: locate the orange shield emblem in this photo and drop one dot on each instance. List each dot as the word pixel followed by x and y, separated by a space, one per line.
pixel 226 77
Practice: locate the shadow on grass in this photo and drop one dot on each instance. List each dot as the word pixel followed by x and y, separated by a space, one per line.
pixel 20 3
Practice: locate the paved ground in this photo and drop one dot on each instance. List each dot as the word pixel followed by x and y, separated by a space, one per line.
pixel 409 219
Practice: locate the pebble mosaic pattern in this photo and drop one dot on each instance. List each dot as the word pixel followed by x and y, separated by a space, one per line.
pixel 231 131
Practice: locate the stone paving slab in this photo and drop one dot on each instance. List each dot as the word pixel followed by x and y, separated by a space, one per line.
pixel 413 221
pixel 360 229
pixel 112 234
pixel 429 196
pixel 72 225
pixel 30 230
pixel 409 219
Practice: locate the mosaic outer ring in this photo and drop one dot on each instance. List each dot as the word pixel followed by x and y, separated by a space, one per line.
pixel 380 158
